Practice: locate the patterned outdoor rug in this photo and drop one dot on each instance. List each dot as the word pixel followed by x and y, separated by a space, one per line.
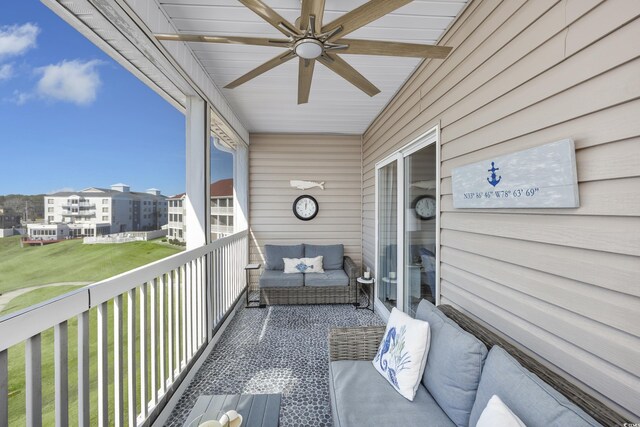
pixel 278 349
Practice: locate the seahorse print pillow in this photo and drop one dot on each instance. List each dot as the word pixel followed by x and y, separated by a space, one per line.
pixel 402 355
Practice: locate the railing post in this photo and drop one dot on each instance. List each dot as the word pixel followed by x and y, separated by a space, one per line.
pixel 103 363
pixel 83 370
pixel 61 375
pixel 131 357
pixel 118 355
pixel 209 295
pixel 33 368
pixel 144 355
pixel 4 388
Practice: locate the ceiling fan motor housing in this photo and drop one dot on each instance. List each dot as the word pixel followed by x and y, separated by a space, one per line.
pixel 308 48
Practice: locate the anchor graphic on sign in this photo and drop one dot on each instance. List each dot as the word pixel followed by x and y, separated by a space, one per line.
pixel 493 181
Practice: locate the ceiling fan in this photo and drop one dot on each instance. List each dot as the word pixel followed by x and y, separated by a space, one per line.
pixel 310 40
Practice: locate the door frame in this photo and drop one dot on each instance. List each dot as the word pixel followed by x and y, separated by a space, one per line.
pixel 432 136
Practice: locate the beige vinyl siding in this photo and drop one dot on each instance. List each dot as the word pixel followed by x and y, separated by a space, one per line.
pixel 274 160
pixel 565 283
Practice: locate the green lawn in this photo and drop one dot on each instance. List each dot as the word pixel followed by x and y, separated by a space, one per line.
pixel 17 368
pixel 71 261
pixel 68 261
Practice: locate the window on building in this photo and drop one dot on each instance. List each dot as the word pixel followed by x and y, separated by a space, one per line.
pixel 230 221
pixel 105 218
pixel 105 209
pixel 105 201
pixel 49 209
pixel 50 201
pixel 50 218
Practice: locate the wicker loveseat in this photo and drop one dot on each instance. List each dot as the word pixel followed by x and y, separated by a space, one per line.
pixel 539 396
pixel 337 285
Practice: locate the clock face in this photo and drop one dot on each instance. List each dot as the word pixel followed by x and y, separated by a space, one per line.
pixel 425 207
pixel 305 208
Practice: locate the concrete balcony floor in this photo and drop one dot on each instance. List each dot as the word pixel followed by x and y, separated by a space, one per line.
pixel 277 349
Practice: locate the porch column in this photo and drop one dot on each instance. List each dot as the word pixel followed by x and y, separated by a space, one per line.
pixel 241 188
pixel 197 180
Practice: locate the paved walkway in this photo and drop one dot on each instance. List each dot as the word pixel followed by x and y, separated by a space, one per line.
pixel 8 296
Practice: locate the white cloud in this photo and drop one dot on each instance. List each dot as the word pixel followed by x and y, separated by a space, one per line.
pixel 21 98
pixel 6 71
pixel 17 39
pixel 72 81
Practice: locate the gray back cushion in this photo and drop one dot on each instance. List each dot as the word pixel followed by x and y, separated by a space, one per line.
pixel 333 255
pixel 531 399
pixel 274 253
pixel 454 364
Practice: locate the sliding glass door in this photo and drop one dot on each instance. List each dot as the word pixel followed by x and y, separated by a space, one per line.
pixel 387 182
pixel 407 213
pixel 419 227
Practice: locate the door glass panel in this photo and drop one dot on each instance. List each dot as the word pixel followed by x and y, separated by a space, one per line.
pixel 387 234
pixel 419 227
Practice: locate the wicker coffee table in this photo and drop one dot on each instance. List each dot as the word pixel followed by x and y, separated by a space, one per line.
pixel 257 410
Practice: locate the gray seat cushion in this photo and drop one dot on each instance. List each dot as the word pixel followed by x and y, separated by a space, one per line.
pixel 531 399
pixel 328 278
pixel 333 255
pixel 360 396
pixel 454 364
pixel 274 253
pixel 279 279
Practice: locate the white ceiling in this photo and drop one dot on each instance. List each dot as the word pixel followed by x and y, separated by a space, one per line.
pixel 268 103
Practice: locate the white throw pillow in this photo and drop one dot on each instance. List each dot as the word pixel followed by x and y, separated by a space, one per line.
pixel 497 414
pixel 402 355
pixel 303 265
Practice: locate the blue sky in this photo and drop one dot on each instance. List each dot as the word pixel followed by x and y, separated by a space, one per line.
pixel 71 117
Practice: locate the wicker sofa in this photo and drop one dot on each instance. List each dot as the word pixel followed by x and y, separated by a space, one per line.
pixel 337 285
pixel 539 396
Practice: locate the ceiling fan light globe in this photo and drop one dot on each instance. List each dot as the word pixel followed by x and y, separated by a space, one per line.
pixel 308 48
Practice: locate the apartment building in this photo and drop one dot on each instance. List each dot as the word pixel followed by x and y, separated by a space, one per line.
pixel 221 208
pixel 97 211
pixel 221 194
pixel 176 226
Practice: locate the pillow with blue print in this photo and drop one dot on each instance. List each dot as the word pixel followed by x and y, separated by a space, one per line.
pixel 402 355
pixel 303 265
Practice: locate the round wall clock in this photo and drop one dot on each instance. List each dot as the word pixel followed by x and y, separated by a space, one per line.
pixel 425 207
pixel 305 207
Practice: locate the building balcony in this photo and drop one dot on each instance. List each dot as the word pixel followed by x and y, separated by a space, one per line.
pixel 87 213
pixel 222 211
pixel 225 229
pixel 81 205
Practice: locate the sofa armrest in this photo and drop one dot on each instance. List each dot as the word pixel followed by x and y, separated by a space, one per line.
pixel 359 343
pixel 351 269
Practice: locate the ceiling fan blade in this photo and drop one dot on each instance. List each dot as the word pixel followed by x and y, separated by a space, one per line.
pixel 272 63
pixel 271 16
pixel 383 48
pixel 347 72
pixel 315 8
pixel 255 41
pixel 305 75
pixel 361 16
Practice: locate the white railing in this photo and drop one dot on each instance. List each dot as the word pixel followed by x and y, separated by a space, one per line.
pixel 148 327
